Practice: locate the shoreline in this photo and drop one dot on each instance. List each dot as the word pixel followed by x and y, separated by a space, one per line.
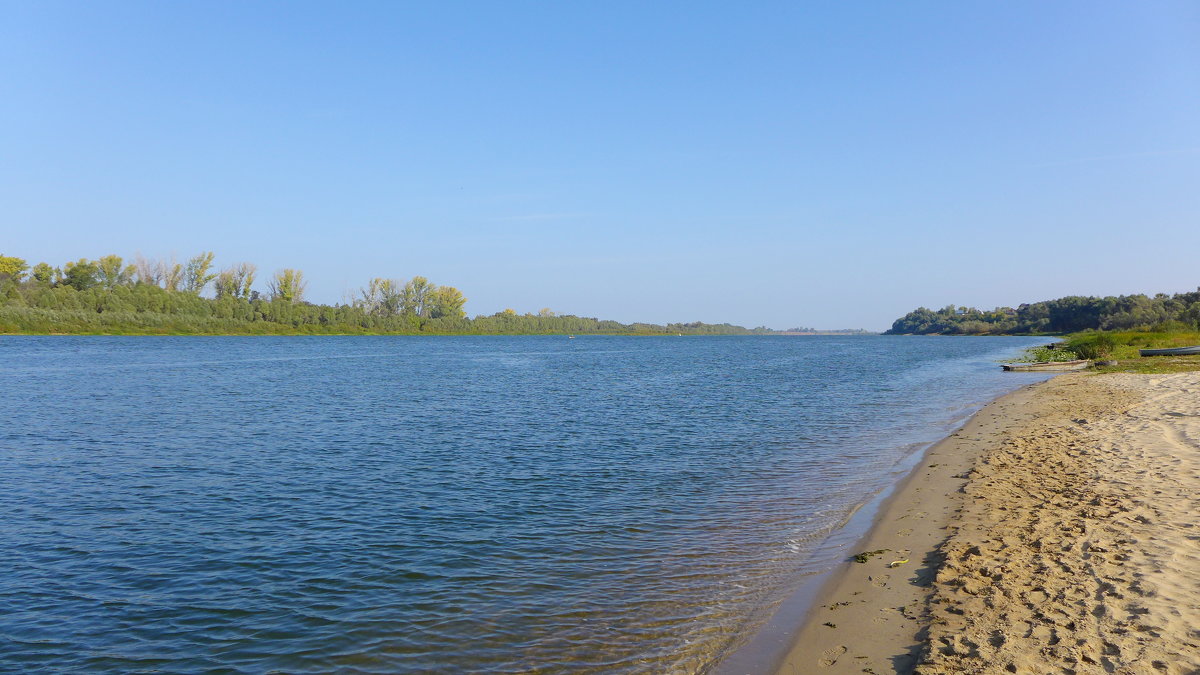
pixel 794 630
pixel 1022 461
pixel 435 334
pixel 910 526
pixel 774 640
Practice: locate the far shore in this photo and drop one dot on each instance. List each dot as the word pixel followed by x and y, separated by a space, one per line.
pixel 435 334
pixel 1054 532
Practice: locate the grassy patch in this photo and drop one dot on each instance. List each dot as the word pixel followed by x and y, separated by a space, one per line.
pixel 1123 346
pixel 1153 364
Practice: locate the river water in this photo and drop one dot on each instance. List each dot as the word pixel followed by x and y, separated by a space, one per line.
pixel 442 504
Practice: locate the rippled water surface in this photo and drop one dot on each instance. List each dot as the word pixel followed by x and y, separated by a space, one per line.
pixel 399 504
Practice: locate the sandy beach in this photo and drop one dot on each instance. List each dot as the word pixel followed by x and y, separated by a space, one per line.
pixel 1056 532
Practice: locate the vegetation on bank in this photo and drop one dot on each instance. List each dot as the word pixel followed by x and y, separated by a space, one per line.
pixel 825 331
pixel 1126 344
pixel 1111 328
pixel 1152 365
pixel 1046 354
pixel 1072 314
pixel 1118 351
pixel 146 297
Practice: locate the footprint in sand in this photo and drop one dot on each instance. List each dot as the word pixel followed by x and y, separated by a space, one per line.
pixel 905 532
pixel 830 656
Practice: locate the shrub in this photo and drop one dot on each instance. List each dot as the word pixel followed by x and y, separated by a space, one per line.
pixel 1093 345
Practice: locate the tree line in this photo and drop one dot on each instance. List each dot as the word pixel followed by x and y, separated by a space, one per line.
pixel 1070 314
pixel 110 295
pixel 827 331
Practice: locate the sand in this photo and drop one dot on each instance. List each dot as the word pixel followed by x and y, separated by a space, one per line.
pixel 1057 532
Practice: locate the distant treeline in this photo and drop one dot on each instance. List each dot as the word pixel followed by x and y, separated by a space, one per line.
pixel 147 296
pixel 1064 315
pixel 833 331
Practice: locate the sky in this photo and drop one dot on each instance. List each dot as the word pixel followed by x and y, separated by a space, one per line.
pixel 785 164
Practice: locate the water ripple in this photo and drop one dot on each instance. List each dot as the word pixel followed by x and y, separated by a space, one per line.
pixel 393 505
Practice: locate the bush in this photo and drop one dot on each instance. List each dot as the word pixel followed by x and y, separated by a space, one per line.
pixel 1093 345
pixel 1047 354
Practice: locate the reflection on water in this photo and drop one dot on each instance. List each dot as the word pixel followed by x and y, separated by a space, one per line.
pixel 401 504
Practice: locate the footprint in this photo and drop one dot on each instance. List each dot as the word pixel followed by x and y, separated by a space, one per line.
pixel 830 656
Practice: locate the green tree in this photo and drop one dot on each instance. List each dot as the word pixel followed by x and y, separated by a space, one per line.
pixel 43 273
pixel 196 275
pixel 112 272
pixel 246 272
pixel 225 286
pixel 447 302
pixel 235 281
pixel 288 285
pixel 415 297
pixel 381 297
pixel 12 268
pixel 81 274
pixel 171 274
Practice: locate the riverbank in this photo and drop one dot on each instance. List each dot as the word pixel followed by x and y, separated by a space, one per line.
pixel 160 312
pixel 1055 532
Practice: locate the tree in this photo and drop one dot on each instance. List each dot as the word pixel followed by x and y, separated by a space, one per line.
pixel 226 284
pixel 171 274
pixel 196 275
pixel 288 285
pixel 246 272
pixel 12 268
pixel 43 273
pixel 415 297
pixel 447 301
pixel 80 275
pixel 147 271
pixel 381 297
pixel 111 272
pixel 235 281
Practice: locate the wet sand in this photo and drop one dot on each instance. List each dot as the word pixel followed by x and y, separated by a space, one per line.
pixel 1057 532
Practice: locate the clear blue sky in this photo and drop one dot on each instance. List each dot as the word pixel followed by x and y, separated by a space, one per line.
pixel 827 164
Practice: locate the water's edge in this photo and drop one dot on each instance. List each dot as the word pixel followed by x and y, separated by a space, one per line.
pixel 766 650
